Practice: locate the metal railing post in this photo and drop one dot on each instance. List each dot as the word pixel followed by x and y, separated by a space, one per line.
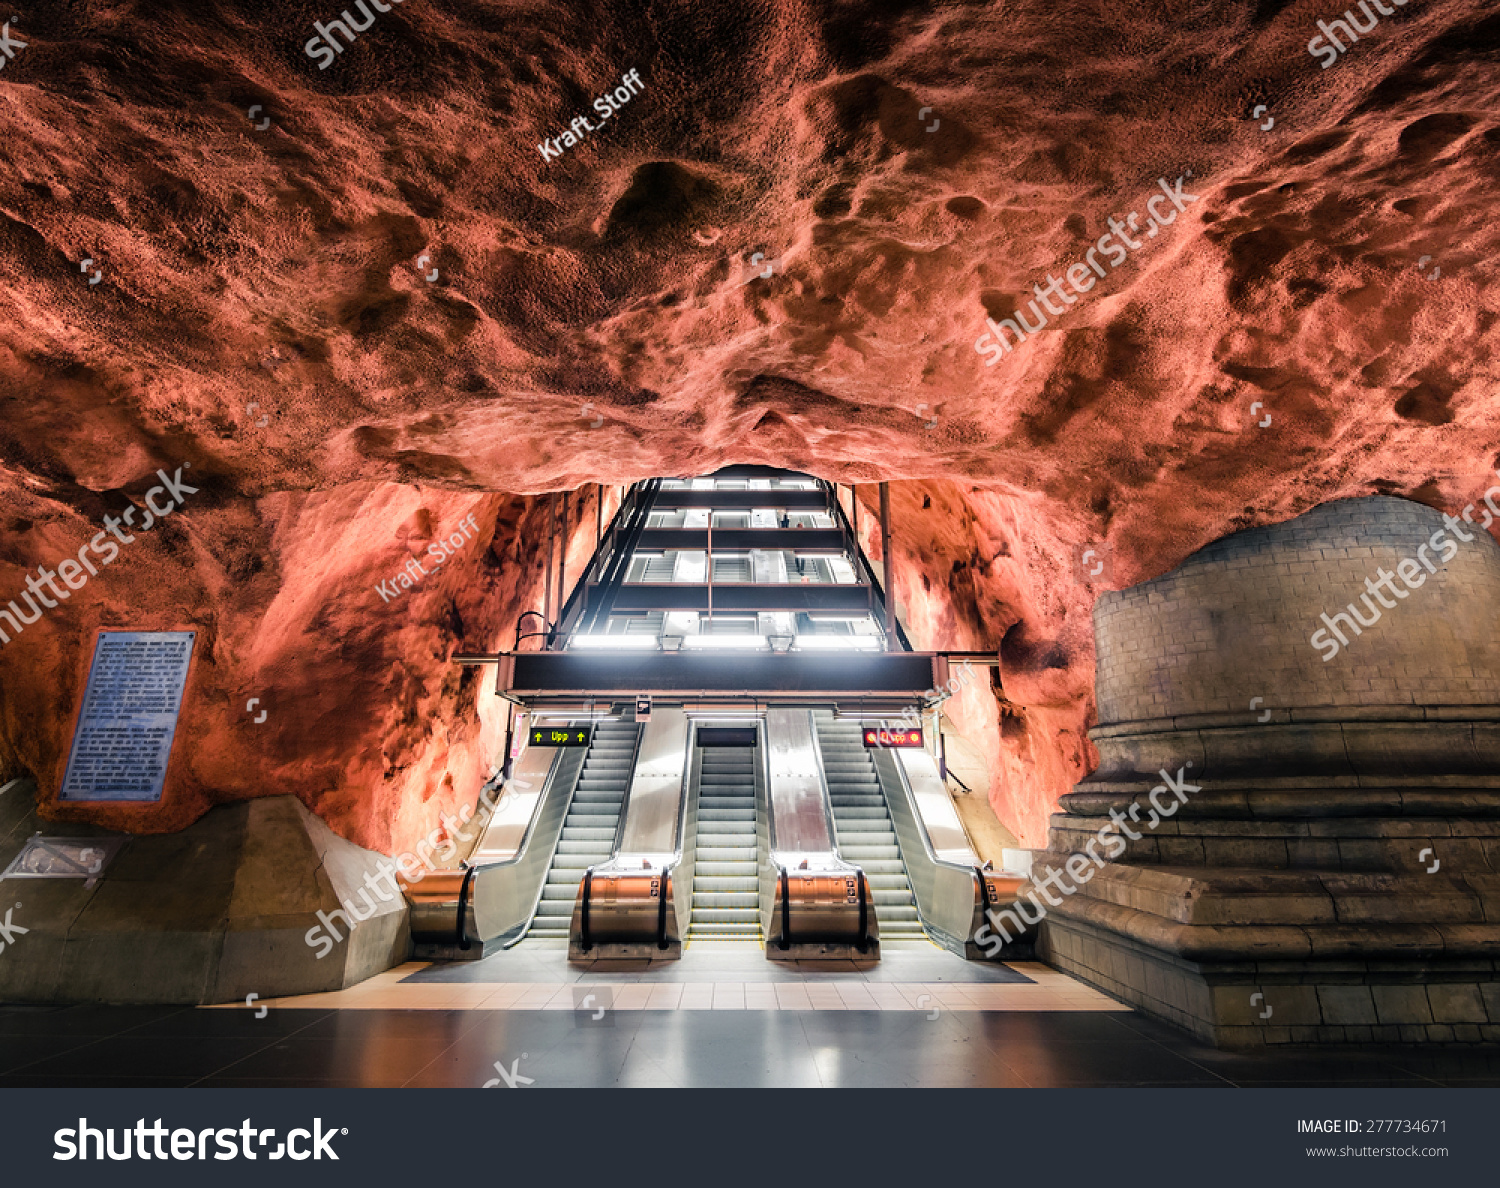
pixel 890 567
pixel 547 565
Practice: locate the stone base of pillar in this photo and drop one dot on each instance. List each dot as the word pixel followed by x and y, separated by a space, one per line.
pixel 1248 956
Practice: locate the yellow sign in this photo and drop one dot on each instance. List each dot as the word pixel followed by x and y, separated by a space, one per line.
pixel 561 736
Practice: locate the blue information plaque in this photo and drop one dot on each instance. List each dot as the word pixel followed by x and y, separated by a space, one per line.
pixel 129 716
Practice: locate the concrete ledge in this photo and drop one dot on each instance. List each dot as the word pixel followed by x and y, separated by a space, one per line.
pixel 213 913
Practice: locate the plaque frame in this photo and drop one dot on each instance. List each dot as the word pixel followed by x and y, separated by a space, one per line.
pixel 174 720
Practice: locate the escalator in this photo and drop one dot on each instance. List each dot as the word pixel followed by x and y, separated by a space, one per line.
pixel 862 821
pixel 590 828
pixel 724 883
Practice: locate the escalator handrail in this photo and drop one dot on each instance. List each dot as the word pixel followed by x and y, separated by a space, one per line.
pixel 863 944
pixel 462 925
pixel 786 911
pixel 911 804
pixel 585 940
pixel 635 754
pixel 536 812
pixel 683 799
pixel 661 908
pixel 827 795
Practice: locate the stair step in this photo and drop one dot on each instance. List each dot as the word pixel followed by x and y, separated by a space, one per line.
pixel 750 931
pixel 716 883
pixel 865 833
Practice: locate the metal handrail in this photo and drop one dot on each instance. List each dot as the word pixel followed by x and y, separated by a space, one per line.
pixel 523 849
pixel 463 908
pixel 683 801
pixel 585 939
pixel 940 916
pixel 826 800
pixel 786 909
pixel 635 754
pixel 859 553
pixel 661 907
pixel 629 516
pixel 863 944
pixel 522 617
pixel 911 800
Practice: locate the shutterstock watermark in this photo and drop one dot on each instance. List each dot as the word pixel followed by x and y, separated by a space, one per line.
pixel 1351 27
pixel 9 931
pixel 1410 571
pixel 1085 274
pixel 349 27
pixel 76 573
pixel 75 1142
pixel 1077 865
pixel 8 47
pixel 911 716
pixel 413 866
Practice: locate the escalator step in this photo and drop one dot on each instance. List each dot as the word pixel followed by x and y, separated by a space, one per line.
pixel 587 833
pixel 715 883
pixel 725 899
pixel 725 915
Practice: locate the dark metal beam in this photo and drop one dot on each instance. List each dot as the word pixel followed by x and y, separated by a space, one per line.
pixel 814 500
pixel 681 596
pixel 723 674
pixel 802 540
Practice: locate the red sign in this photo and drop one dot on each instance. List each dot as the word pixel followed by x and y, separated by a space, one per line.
pixel 893 738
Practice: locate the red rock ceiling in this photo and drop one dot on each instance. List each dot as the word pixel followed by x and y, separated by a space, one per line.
pixel 249 275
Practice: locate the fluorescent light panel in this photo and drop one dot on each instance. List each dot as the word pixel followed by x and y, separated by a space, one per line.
pixel 614 643
pixel 837 643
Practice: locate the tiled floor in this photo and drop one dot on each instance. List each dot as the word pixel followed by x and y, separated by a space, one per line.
pixel 716 981
pixel 720 961
pixel 165 1046
pixel 715 977
pixel 723 1016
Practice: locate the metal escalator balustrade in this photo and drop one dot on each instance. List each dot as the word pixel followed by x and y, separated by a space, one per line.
pixel 862 821
pixel 725 885
pixel 591 826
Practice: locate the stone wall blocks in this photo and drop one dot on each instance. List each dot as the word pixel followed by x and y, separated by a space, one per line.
pixel 1456 1003
pixel 1402 1005
pixel 1245 851
pixel 1345 1005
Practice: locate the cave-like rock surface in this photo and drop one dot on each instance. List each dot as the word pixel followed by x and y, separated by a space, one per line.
pixel 263 313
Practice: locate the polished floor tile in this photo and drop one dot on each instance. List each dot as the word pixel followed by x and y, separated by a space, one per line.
pixel 925 980
pixel 854 1044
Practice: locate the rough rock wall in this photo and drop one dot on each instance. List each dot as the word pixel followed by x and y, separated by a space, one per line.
pixel 263 311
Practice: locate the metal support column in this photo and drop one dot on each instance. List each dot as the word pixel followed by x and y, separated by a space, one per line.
pixel 562 560
pixel 891 643
pixel 547 565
